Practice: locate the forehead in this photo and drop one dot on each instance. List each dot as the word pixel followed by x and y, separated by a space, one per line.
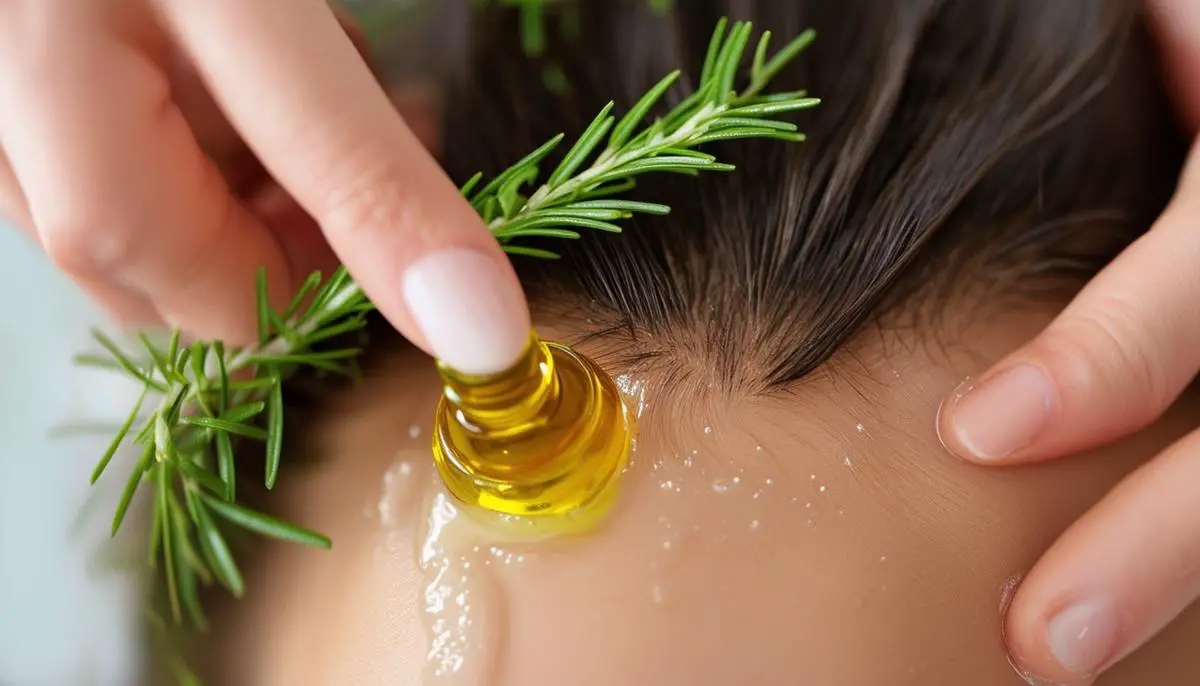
pixel 815 538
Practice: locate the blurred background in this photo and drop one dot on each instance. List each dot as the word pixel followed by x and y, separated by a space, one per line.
pixel 68 595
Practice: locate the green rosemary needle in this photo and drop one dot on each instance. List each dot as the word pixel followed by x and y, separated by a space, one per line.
pixel 201 397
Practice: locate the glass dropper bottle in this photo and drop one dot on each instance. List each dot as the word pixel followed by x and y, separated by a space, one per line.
pixel 546 439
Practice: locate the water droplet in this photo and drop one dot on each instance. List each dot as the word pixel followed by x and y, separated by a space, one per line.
pixel 708 429
pixel 414 431
pixel 846 461
pixel 822 489
pixel 770 482
pixel 721 485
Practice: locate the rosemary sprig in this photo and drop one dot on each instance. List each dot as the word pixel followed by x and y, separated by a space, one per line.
pixel 205 396
pixel 579 195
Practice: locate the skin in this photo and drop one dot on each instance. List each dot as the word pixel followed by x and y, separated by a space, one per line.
pixel 1110 364
pixel 120 122
pixel 900 578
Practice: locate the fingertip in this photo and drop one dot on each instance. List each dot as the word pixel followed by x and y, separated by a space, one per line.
pixel 994 419
pixel 1025 639
pixel 469 309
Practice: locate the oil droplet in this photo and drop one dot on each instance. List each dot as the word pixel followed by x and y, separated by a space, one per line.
pixel 847 462
pixel 393 492
pixel 708 429
pixel 822 489
pixel 658 595
pixel 721 485
pixel 634 391
pixel 414 431
pixel 754 524
pixel 546 439
pixel 860 428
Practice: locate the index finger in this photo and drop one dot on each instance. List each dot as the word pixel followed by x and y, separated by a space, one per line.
pixel 293 84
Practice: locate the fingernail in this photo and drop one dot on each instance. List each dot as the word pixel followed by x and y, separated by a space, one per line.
pixel 999 417
pixel 1083 636
pixel 469 308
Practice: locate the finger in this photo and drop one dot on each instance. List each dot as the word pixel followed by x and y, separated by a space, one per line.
pixel 297 233
pixel 213 131
pixel 1177 25
pixel 128 309
pixel 292 83
pixel 120 192
pixel 1118 355
pixel 1116 577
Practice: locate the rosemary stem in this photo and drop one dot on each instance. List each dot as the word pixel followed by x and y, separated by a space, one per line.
pixel 306 325
pixel 607 161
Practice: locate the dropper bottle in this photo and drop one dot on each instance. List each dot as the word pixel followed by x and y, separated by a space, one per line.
pixel 545 439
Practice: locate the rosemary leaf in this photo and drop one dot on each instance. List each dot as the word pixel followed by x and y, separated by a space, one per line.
pixel 265 525
pixel 274 430
pixel 120 437
pixel 217 553
pixel 236 428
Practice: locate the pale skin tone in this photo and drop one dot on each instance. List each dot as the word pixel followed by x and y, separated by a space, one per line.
pixel 707 571
pixel 106 162
pixel 109 161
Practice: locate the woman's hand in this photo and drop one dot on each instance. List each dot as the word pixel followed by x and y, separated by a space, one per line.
pixel 1110 364
pixel 112 159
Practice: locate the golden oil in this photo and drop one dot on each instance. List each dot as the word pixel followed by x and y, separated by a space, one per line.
pixel 541 444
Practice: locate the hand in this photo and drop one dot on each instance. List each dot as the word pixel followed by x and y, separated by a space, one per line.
pixel 117 162
pixel 1111 363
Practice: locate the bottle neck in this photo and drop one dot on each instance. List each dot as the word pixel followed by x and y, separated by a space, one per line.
pixel 504 403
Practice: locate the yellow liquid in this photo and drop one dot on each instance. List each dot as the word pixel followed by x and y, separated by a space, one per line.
pixel 541 444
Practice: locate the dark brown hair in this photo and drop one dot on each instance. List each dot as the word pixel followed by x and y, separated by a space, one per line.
pixel 963 150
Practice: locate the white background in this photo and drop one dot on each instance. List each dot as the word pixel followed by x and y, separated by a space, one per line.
pixel 68 614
